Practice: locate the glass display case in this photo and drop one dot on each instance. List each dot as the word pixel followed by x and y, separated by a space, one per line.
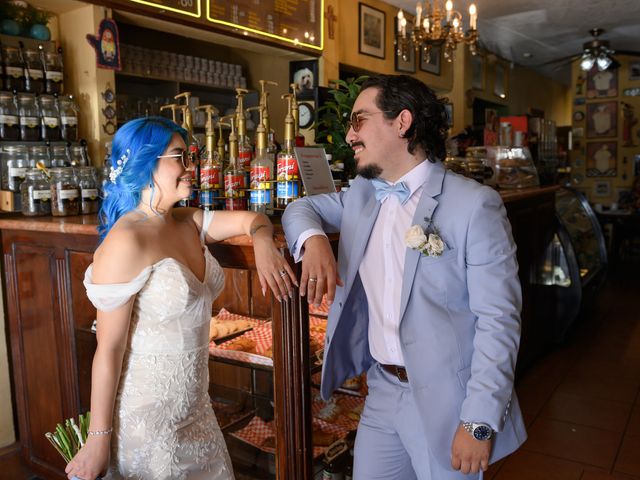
pixel 575 261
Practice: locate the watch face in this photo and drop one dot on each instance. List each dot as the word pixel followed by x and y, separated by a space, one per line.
pixel 482 432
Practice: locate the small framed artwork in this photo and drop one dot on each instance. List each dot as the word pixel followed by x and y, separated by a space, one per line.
pixel 602 158
pixel 304 74
pixel 602 119
pixel 477 72
pixel 601 84
pixel 371 27
pixel 602 189
pixel 407 63
pixel 498 84
pixel 430 61
pixel 634 70
pixel 448 108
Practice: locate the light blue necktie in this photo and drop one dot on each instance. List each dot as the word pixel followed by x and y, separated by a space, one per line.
pixel 383 190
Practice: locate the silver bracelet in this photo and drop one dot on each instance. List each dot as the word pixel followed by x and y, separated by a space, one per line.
pixel 100 432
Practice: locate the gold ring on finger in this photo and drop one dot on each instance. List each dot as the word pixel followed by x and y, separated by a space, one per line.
pixel 314 280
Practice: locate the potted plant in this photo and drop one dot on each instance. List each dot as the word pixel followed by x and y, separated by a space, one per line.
pixel 333 117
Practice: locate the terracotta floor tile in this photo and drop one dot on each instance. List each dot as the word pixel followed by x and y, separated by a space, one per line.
pixel 524 465
pixel 606 476
pixel 628 460
pixel 633 427
pixel 606 387
pixel 592 412
pixel 493 469
pixel 578 443
pixel 607 365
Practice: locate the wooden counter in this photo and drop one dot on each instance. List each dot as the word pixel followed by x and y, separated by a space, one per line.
pixel 49 319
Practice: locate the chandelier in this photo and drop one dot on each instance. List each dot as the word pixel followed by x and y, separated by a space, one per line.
pixel 436 26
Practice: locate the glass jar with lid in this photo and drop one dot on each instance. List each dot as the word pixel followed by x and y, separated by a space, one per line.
pixel 15 163
pixel 53 73
pixel 68 118
pixel 59 156
pixel 29 117
pixel 49 118
pixel 35 193
pixel 13 69
pixel 89 194
pixel 39 154
pixel 9 118
pixel 33 72
pixel 78 156
pixel 65 194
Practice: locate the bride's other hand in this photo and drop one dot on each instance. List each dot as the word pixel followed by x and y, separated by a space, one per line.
pixel 273 270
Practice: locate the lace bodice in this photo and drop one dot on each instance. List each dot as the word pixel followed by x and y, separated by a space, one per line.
pixel 164 427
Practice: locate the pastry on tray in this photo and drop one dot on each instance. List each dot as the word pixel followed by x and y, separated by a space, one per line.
pixel 242 344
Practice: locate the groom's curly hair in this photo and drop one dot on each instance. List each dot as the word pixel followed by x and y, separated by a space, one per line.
pixel 429 127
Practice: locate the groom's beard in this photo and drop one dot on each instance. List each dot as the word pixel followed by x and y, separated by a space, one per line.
pixel 370 171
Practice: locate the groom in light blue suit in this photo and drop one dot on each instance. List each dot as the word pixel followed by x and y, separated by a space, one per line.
pixel 425 295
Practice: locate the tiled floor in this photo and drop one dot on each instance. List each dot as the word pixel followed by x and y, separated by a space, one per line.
pixel 581 402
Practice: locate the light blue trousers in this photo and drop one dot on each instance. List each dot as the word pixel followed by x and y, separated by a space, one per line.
pixel 391 443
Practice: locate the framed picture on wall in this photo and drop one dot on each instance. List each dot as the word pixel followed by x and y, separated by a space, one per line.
pixel 602 119
pixel 371 28
pixel 602 84
pixel 477 72
pixel 498 83
pixel 407 63
pixel 430 60
pixel 304 73
pixel 602 189
pixel 448 108
pixel 602 159
pixel 634 70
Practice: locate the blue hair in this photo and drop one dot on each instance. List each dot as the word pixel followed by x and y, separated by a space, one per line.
pixel 146 139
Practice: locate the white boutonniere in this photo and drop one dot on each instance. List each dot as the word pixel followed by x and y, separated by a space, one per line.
pixel 429 244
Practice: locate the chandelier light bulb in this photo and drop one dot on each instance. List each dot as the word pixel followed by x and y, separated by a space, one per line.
pixel 603 61
pixel 587 62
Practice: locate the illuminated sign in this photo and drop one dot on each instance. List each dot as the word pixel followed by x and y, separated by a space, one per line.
pixel 184 7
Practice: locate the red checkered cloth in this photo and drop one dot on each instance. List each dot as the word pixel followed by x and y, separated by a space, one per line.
pixel 341 410
pixel 262 335
pixel 322 310
pixel 224 315
pixel 257 431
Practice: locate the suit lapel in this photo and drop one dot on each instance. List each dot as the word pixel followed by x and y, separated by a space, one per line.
pixel 423 215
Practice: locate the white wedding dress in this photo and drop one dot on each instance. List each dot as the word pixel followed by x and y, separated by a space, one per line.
pixel 164 427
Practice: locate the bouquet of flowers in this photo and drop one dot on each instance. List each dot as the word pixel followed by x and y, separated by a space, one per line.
pixel 67 439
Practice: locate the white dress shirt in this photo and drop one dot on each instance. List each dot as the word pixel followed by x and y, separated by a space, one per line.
pixel 382 267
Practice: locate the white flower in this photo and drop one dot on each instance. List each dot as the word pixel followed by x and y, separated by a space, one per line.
pixel 435 245
pixel 415 237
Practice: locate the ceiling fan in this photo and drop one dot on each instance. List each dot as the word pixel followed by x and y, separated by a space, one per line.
pixel 594 52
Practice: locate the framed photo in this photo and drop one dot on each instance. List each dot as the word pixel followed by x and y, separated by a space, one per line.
pixel 371 27
pixel 634 70
pixel 602 158
pixel 602 84
pixel 430 61
pixel 602 189
pixel 448 108
pixel 477 72
pixel 304 74
pixel 498 83
pixel 602 119
pixel 407 65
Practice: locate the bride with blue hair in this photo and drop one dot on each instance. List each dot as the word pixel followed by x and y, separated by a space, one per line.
pixel 153 281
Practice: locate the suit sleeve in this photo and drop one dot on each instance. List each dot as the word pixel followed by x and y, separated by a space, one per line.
pixel 495 297
pixel 317 212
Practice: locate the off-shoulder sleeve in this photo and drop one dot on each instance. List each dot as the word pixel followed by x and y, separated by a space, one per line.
pixel 107 297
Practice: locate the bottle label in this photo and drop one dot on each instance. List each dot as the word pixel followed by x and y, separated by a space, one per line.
pixel 30 122
pixel 287 190
pixel 35 73
pixel 235 204
pixel 206 198
pixel 51 122
pixel 9 119
pixel 260 197
pixel 244 159
pixel 15 72
pixel 69 120
pixel 233 185
pixel 287 168
pixel 210 177
pixel 54 76
pixel 260 176
pixel 17 172
pixel 68 194
pixel 43 195
pixel 90 193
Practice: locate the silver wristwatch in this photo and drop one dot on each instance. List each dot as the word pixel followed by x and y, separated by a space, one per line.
pixel 479 431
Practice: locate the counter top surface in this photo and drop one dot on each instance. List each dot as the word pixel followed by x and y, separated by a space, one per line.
pixel 86 224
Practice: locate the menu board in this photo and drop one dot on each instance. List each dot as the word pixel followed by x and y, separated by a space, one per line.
pixel 184 7
pixel 294 21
